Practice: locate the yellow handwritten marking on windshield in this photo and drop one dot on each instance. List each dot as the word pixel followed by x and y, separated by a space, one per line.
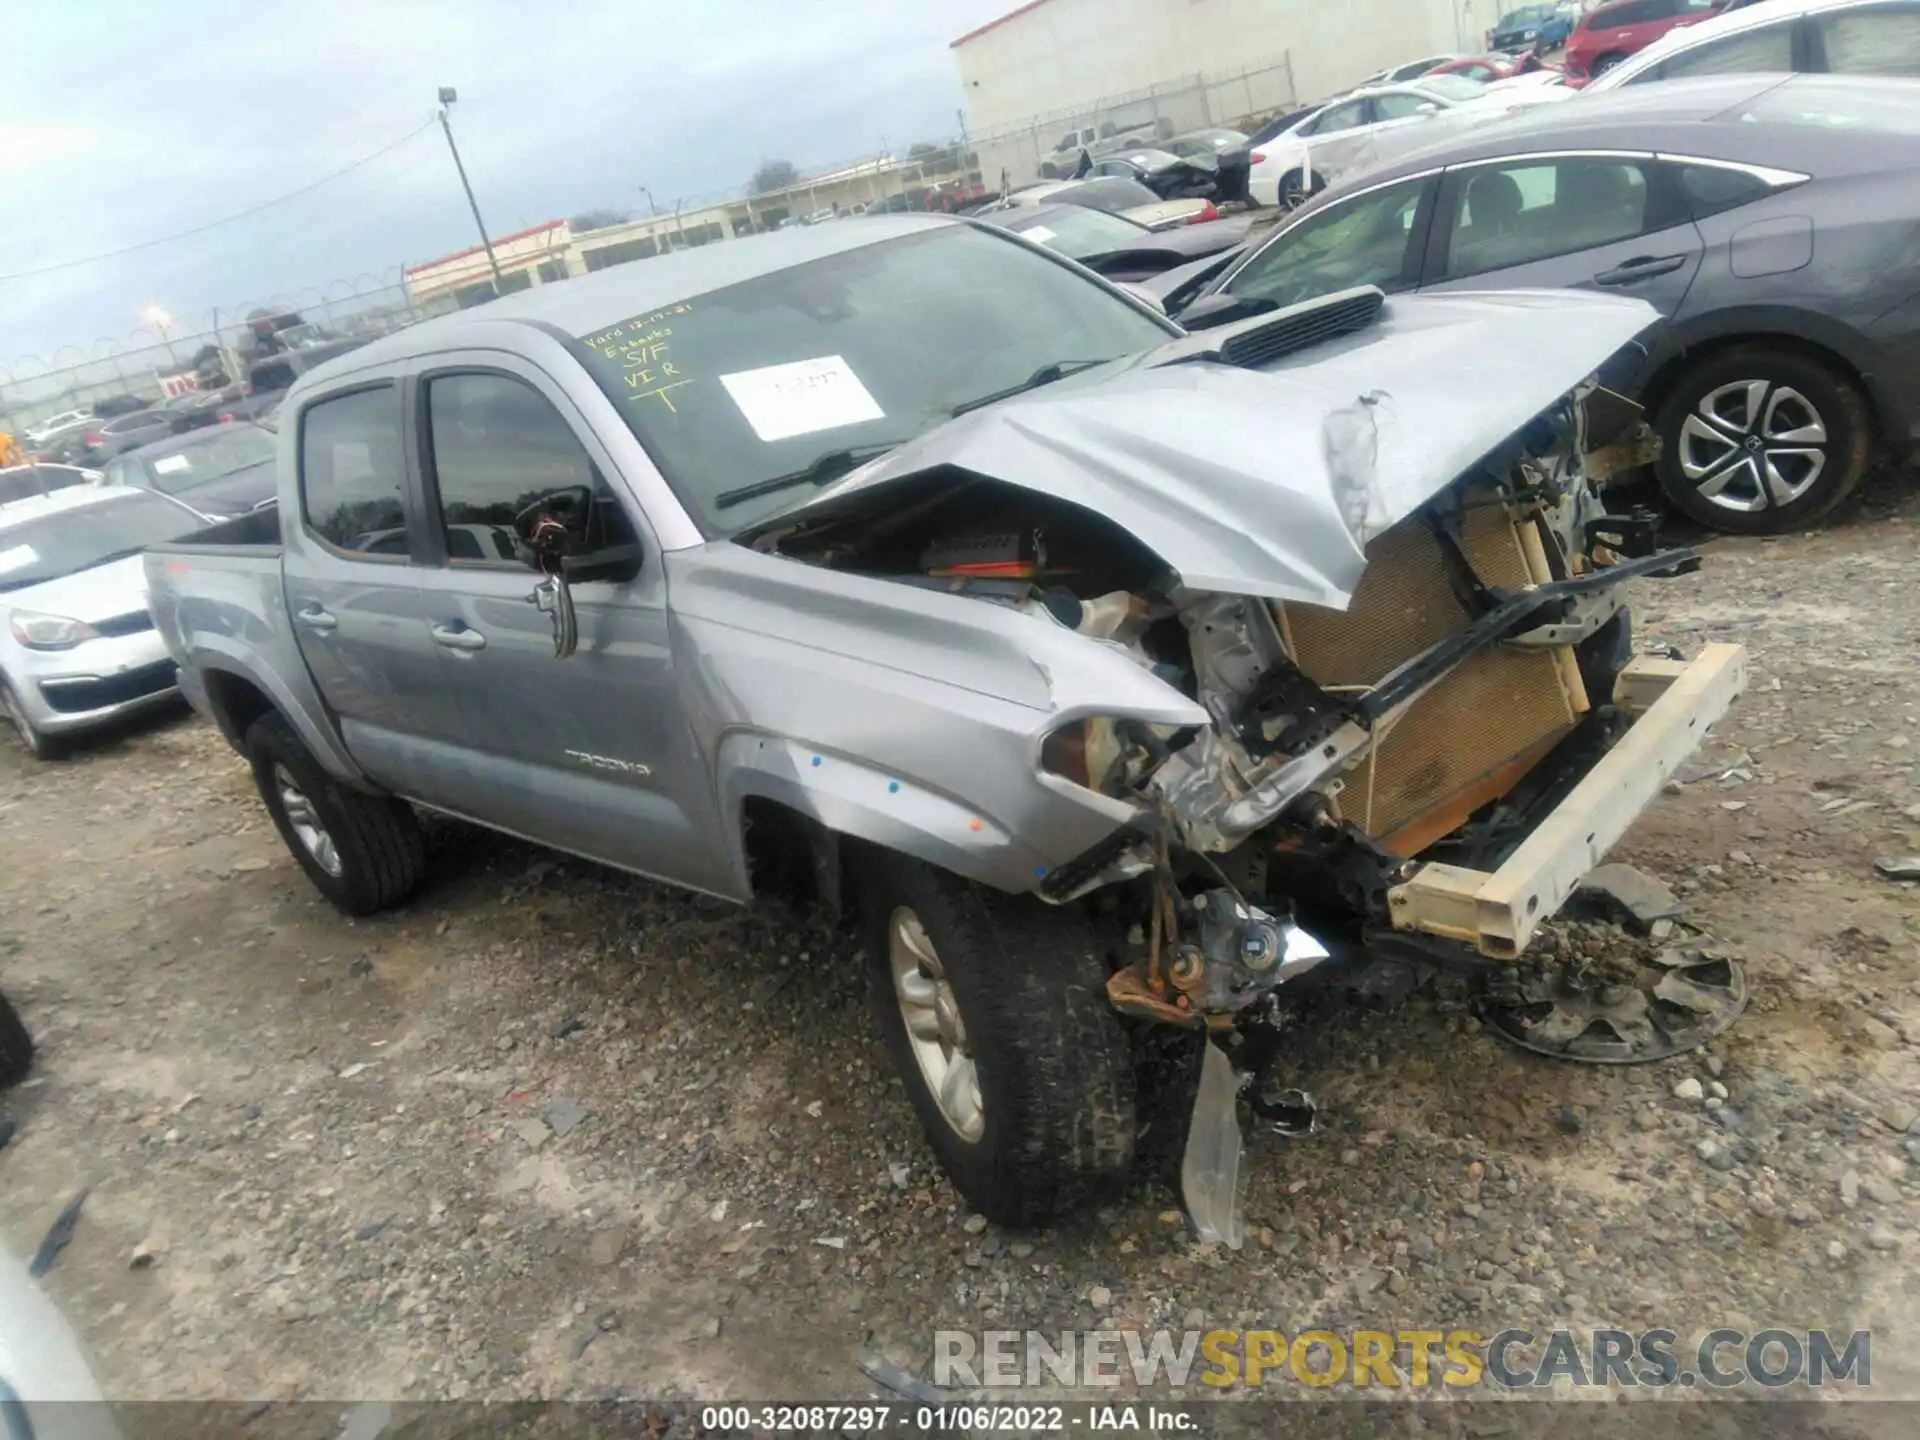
pixel 638 325
pixel 661 391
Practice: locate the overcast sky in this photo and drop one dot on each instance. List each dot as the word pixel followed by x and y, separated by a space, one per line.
pixel 123 120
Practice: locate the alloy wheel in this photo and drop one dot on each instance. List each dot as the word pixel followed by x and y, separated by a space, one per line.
pixel 304 821
pixel 935 1029
pixel 1753 445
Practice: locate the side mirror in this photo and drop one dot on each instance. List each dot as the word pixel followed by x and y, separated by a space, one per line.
pixel 1145 297
pixel 555 532
pixel 1429 108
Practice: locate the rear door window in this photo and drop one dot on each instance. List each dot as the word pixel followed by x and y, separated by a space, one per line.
pixel 1399 107
pixel 1349 116
pixel 353 470
pixel 1884 40
pixel 1754 52
pixel 1518 213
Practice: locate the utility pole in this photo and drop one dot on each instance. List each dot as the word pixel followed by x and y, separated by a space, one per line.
pixel 447 96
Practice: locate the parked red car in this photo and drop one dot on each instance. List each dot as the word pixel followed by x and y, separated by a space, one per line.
pixel 1606 36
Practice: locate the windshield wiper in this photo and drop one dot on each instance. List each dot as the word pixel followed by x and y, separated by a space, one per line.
pixel 829 466
pixel 1045 375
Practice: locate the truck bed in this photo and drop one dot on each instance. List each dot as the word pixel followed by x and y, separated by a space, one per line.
pixel 219 600
pixel 251 533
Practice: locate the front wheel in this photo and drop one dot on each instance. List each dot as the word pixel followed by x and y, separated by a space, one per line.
pixel 363 852
pixel 995 1012
pixel 40 745
pixel 1758 440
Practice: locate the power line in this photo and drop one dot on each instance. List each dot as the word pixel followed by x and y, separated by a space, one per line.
pixel 224 220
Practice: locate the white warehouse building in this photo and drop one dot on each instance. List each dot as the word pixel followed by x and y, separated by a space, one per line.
pixel 1053 65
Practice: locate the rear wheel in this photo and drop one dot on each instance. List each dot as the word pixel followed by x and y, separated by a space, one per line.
pixel 1760 440
pixel 1294 190
pixel 1604 64
pixel 995 1012
pixel 363 852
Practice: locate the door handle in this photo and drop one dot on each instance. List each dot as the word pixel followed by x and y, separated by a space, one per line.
pixel 461 639
pixel 1643 267
pixel 314 618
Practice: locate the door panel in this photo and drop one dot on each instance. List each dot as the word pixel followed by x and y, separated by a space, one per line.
pixel 591 753
pixel 352 595
pixel 1583 223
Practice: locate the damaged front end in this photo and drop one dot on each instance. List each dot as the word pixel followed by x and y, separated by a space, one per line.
pixel 1402 612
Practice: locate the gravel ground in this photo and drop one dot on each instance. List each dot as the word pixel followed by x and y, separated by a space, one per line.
pixel 549 1131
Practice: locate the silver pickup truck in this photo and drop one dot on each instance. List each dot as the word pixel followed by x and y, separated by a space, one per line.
pixel 1113 678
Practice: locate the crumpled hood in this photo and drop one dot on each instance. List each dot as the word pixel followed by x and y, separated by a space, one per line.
pixel 1269 482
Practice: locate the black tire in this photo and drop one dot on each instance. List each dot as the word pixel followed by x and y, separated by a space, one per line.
pixel 1056 1085
pixel 1705 415
pixel 39 744
pixel 1293 192
pixel 1604 64
pixel 16 1045
pixel 379 852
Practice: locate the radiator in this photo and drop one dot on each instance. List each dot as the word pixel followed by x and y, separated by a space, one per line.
pixel 1473 736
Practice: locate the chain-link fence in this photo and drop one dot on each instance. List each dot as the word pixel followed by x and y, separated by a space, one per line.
pixel 1048 146
pixel 170 356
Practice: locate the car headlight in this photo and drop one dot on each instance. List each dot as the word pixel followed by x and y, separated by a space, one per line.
pixel 49 632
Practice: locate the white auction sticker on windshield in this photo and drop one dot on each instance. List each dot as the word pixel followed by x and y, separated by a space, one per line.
pixel 780 401
pixel 1039 234
pixel 172 465
pixel 18 558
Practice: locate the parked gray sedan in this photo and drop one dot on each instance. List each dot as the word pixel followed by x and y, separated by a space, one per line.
pixel 1772 219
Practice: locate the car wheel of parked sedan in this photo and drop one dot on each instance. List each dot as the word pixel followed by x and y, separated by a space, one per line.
pixel 363 852
pixel 40 745
pixel 1604 64
pixel 1294 190
pixel 995 1011
pixel 1758 440
pixel 16 1045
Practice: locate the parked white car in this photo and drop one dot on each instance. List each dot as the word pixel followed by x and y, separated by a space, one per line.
pixel 77 644
pixel 1363 129
pixel 55 425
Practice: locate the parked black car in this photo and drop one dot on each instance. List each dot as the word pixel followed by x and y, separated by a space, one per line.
pixel 1225 151
pixel 221 471
pixel 119 405
pixel 1166 174
pixel 1119 249
pixel 1771 219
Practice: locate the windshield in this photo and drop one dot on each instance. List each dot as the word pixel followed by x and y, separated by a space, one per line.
pixel 36 551
pixel 867 348
pixel 1526 15
pixel 196 463
pixel 1079 232
pixel 1452 87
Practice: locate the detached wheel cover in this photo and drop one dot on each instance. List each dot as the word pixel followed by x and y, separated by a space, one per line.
pixel 1753 445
